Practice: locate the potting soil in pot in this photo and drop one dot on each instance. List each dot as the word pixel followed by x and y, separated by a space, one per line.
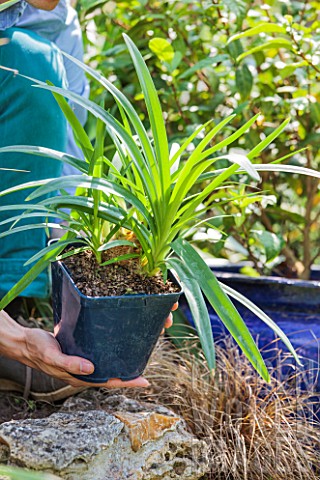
pixel 115 279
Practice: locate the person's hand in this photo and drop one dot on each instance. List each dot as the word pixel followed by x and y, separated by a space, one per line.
pixel 42 352
pixel 169 320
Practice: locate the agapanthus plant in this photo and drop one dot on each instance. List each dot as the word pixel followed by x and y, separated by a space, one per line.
pixel 149 190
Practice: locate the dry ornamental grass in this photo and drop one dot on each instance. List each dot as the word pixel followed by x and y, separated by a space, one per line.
pixel 256 431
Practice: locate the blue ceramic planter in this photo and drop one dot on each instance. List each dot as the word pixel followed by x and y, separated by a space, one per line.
pixel 117 334
pixel 293 304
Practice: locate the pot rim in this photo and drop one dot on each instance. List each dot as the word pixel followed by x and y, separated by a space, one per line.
pixel 118 297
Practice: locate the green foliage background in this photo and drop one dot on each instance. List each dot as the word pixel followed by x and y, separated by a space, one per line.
pixel 204 71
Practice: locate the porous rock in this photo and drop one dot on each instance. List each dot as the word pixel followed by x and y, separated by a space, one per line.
pixel 131 440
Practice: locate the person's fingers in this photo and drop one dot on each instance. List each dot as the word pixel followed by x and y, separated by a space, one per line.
pixel 169 321
pixel 72 364
pixel 44 353
pixel 175 307
pixel 139 382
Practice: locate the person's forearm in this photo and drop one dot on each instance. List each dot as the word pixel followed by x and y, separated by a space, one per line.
pixel 12 338
pixel 43 4
pixel 38 349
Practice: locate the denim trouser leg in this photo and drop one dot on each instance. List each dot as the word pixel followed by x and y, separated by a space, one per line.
pixel 28 116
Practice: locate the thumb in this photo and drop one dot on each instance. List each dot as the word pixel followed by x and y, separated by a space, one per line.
pixel 72 364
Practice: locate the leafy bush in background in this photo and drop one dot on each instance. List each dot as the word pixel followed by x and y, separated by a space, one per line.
pixel 210 59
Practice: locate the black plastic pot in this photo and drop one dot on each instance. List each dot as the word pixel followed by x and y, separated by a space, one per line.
pixel 117 334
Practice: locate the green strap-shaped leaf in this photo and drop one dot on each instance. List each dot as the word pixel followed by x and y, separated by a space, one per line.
pixel 51 185
pixel 187 212
pixel 187 176
pixel 27 215
pixel 81 165
pixel 113 214
pixel 221 303
pixel 13 473
pixel 263 316
pixel 94 184
pixel 269 139
pixel 32 274
pixel 289 155
pixel 266 167
pixel 122 100
pixel 232 138
pixel 189 173
pixel 84 204
pixel 155 114
pixel 36 226
pixel 116 243
pixel 53 246
pixel 24 206
pixel 187 142
pixel 113 125
pixel 8 4
pixel 126 256
pixel 79 132
pixel 198 309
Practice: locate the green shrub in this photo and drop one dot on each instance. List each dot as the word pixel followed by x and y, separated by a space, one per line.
pixel 209 60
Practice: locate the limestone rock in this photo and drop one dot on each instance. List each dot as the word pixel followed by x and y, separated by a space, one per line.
pixel 4 453
pixel 89 400
pixel 143 427
pixel 55 442
pixel 131 440
pixel 125 404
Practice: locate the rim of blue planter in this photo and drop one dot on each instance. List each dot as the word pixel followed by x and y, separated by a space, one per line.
pixel 272 292
pixel 228 269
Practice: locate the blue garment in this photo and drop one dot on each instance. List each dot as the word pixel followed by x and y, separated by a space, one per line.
pixel 37 37
pixel 47 24
pixel 10 16
pixel 61 26
pixel 28 116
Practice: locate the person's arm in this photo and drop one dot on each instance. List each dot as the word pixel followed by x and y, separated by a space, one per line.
pixel 40 350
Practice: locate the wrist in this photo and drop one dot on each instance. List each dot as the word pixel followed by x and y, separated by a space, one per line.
pixel 12 338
